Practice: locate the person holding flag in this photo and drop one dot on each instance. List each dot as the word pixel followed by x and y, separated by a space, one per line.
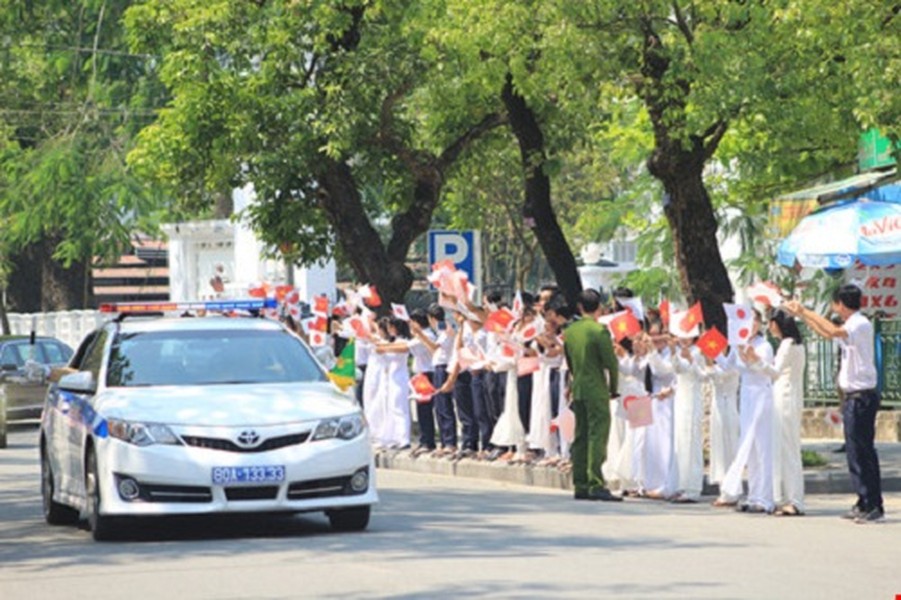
pixel 659 373
pixel 687 474
pixel 422 365
pixel 787 373
pixel 755 448
pixel 441 344
pixel 392 404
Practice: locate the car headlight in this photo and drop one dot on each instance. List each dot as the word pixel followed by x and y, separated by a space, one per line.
pixel 141 434
pixel 344 428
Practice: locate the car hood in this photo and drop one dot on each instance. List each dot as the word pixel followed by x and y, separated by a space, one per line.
pixel 226 405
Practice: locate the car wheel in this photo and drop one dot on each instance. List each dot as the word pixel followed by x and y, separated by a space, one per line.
pixel 102 527
pixel 349 519
pixel 54 512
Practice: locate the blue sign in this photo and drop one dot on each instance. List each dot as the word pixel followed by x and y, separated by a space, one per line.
pixel 463 248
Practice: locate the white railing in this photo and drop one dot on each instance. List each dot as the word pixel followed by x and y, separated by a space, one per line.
pixel 68 326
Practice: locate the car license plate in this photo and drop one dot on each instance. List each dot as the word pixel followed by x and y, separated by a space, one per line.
pixel 248 475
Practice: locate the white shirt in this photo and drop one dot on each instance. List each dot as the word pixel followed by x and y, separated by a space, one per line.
pixel 858 370
pixel 422 358
pixel 445 341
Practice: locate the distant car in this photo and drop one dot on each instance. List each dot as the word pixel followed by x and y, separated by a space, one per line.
pixel 24 367
pixel 188 416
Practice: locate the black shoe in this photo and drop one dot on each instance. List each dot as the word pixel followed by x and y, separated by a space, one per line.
pixel 600 495
pixel 495 454
pixel 877 515
pixel 853 514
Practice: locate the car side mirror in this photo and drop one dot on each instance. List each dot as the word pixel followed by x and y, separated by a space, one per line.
pixel 81 382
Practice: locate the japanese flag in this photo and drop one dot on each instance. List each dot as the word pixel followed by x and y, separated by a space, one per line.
pixel 358 327
pixel 317 338
pixel 517 304
pixel 633 304
pixel 765 292
pixel 741 323
pixel 400 311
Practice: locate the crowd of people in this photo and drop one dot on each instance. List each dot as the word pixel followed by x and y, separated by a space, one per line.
pixel 552 387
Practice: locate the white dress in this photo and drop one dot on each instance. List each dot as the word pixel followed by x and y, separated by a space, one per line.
pixel 687 470
pixel 509 431
pixel 617 469
pixel 372 405
pixel 388 413
pixel 659 434
pixel 788 400
pixel 540 437
pixel 724 423
pixel 755 449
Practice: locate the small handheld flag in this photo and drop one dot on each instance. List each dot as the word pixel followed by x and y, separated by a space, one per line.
pixel 712 343
pixel 344 373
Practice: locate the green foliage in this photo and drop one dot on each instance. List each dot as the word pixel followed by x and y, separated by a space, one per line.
pixel 71 99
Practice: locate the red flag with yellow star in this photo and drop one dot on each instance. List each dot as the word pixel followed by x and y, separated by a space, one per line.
pixel 693 317
pixel 625 325
pixel 712 343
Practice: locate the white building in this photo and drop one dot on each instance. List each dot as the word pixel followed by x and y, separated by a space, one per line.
pixel 205 254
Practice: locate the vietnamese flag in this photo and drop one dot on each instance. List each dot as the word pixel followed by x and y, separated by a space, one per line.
pixel 693 317
pixel 422 387
pixel 664 312
pixel 282 291
pixel 625 325
pixel 372 299
pixel 712 343
pixel 320 305
pixel 499 321
pixel 320 323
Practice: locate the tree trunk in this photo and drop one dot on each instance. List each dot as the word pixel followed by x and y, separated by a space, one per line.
pixel 359 240
pixel 537 209
pixel 691 218
pixel 40 283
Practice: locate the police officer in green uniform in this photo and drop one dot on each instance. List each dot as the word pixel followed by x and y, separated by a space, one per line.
pixel 593 370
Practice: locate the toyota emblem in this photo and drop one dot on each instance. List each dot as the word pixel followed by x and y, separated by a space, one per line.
pixel 249 438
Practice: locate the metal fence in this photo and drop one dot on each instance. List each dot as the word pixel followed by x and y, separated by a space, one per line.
pixel 823 363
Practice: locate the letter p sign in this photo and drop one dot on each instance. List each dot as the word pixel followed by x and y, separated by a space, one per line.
pixel 461 248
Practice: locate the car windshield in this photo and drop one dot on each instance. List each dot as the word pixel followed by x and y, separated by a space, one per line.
pixel 209 357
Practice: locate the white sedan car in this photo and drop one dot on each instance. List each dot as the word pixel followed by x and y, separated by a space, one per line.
pixel 176 416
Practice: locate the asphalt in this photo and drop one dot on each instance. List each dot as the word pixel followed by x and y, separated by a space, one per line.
pixel 831 478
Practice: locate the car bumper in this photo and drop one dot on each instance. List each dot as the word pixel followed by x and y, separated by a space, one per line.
pixel 176 480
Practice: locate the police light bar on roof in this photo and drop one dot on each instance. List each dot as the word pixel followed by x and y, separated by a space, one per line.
pixel 210 306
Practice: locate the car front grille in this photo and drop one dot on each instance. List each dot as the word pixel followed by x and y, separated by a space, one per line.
pixel 227 445
pixel 175 493
pixel 266 492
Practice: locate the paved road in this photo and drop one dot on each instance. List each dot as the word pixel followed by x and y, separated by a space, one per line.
pixel 439 537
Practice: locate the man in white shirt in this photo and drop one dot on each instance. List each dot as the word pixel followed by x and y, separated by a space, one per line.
pixel 858 380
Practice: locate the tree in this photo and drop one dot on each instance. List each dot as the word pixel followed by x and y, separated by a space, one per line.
pixel 71 99
pixel 312 103
pixel 701 70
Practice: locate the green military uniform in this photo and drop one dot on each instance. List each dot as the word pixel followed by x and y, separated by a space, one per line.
pixel 593 369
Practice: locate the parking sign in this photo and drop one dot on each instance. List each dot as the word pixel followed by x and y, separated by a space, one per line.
pixel 463 248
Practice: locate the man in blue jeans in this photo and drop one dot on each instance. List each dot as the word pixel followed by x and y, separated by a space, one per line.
pixel 857 379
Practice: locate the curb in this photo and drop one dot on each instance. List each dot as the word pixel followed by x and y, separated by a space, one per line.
pixel 815 481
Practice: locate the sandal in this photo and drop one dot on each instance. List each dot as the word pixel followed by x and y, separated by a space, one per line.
pixel 722 503
pixel 789 510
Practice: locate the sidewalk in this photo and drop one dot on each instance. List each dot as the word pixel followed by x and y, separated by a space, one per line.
pixel 830 479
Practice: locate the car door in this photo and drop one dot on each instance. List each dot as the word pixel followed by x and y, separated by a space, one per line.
pixel 24 386
pixel 66 418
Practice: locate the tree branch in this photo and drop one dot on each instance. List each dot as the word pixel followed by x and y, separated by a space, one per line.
pixel 712 137
pixel 682 23
pixel 453 151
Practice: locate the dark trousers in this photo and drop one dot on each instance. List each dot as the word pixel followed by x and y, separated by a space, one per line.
pixel 524 387
pixel 495 388
pixel 426 419
pixel 555 392
pixel 480 407
pixel 859 416
pixel 465 411
pixel 444 410
pixel 359 389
